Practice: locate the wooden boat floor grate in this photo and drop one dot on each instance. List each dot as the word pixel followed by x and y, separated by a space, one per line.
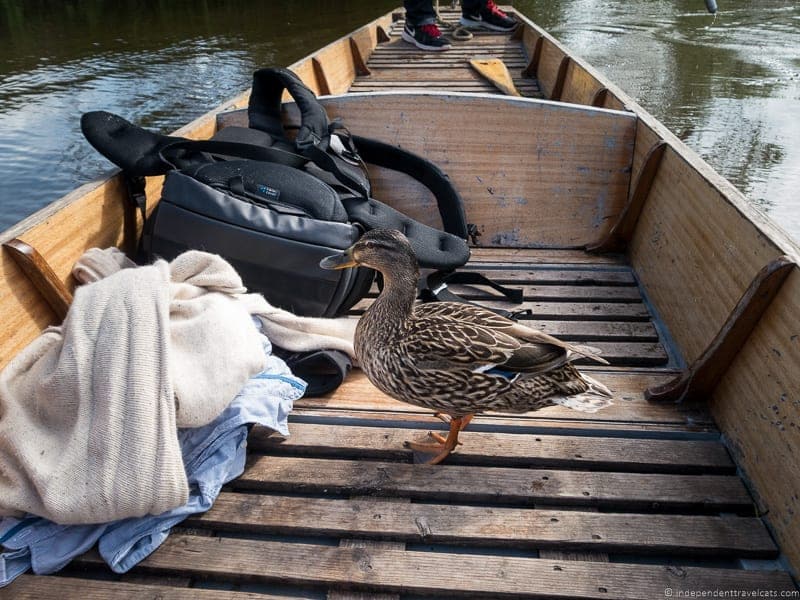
pixel 399 65
pixel 624 503
pixel 338 510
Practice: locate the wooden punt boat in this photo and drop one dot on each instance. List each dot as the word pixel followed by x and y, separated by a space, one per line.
pixel 620 236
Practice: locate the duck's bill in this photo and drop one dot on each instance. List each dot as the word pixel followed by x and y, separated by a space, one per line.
pixel 343 260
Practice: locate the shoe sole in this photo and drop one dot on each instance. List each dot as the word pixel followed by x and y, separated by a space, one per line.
pixel 407 37
pixel 472 24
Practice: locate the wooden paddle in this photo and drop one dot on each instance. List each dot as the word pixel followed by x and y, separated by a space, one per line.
pixel 496 72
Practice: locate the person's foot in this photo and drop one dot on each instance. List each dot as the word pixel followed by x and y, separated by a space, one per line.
pixel 491 18
pixel 427 37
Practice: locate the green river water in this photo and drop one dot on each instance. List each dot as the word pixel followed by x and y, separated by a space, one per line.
pixel 729 87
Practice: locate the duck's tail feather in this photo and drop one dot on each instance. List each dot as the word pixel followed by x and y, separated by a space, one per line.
pixel 596 397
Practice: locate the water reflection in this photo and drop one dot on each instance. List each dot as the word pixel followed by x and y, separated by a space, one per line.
pixel 731 90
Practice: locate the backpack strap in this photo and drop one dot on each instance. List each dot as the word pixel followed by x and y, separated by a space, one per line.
pixel 436 289
pixel 184 154
pixel 435 249
pixel 315 138
pixel 322 370
pixel 264 107
pixel 451 207
pixel 135 150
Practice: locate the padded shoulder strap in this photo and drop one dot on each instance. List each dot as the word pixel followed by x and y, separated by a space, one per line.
pixel 435 249
pixel 451 207
pixel 136 150
pixel 264 108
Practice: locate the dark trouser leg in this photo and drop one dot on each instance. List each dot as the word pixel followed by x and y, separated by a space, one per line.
pixel 419 12
pixel 472 7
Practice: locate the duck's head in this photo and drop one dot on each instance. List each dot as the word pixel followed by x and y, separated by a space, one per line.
pixel 385 250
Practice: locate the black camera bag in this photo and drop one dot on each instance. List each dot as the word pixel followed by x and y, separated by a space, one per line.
pixel 274 206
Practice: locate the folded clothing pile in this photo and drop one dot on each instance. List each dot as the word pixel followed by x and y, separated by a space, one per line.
pixel 213 455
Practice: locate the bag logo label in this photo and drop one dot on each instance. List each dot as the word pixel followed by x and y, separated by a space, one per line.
pixel 269 193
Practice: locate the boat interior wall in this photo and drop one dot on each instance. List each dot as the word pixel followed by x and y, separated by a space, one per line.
pixel 567 192
pixel 560 76
pixel 332 69
pixel 87 217
pixel 696 269
pixel 757 406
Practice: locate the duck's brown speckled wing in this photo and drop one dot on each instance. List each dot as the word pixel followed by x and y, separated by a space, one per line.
pixel 478 315
pixel 440 340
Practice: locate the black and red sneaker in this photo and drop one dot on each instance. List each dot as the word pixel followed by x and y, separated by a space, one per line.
pixel 427 37
pixel 491 18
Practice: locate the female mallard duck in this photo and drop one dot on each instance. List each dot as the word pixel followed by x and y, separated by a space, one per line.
pixel 457 359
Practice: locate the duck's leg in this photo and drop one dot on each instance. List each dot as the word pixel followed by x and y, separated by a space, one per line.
pixel 447 418
pixel 444 446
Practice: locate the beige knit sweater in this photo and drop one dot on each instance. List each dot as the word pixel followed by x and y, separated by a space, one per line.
pixel 89 410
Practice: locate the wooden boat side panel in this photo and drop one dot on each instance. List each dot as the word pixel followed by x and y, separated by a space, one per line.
pixel 547 69
pixel 757 405
pixel 580 86
pixel 332 69
pixel 571 163
pixel 87 217
pixel 646 139
pixel 694 253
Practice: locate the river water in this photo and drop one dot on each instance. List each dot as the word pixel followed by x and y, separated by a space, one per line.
pixel 729 87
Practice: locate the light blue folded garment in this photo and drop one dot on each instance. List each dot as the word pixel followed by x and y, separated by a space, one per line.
pixel 212 456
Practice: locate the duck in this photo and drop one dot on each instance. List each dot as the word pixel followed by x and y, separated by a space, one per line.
pixel 457 359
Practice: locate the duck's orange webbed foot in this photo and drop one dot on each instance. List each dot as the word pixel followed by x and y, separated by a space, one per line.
pixel 443 446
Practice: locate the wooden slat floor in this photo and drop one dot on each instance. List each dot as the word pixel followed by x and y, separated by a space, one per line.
pixel 625 503
pixel 398 65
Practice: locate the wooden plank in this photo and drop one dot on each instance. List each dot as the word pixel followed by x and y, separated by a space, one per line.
pixel 38 587
pixel 561 553
pixel 367 543
pixel 690 428
pixel 561 293
pixel 322 79
pixel 567 175
pixel 421 74
pixel 579 85
pixel 703 375
pixel 359 62
pixel 504 449
pixel 552 256
pixel 437 573
pixel 534 51
pixel 459 56
pixel 507 486
pixel 572 311
pixel 358 394
pixel 41 274
pixel 561 75
pixel 590 331
pixel 550 61
pixel 562 275
pixel 340 594
pixel 478 526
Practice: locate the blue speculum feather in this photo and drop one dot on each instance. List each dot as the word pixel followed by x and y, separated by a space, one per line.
pixel 510 375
